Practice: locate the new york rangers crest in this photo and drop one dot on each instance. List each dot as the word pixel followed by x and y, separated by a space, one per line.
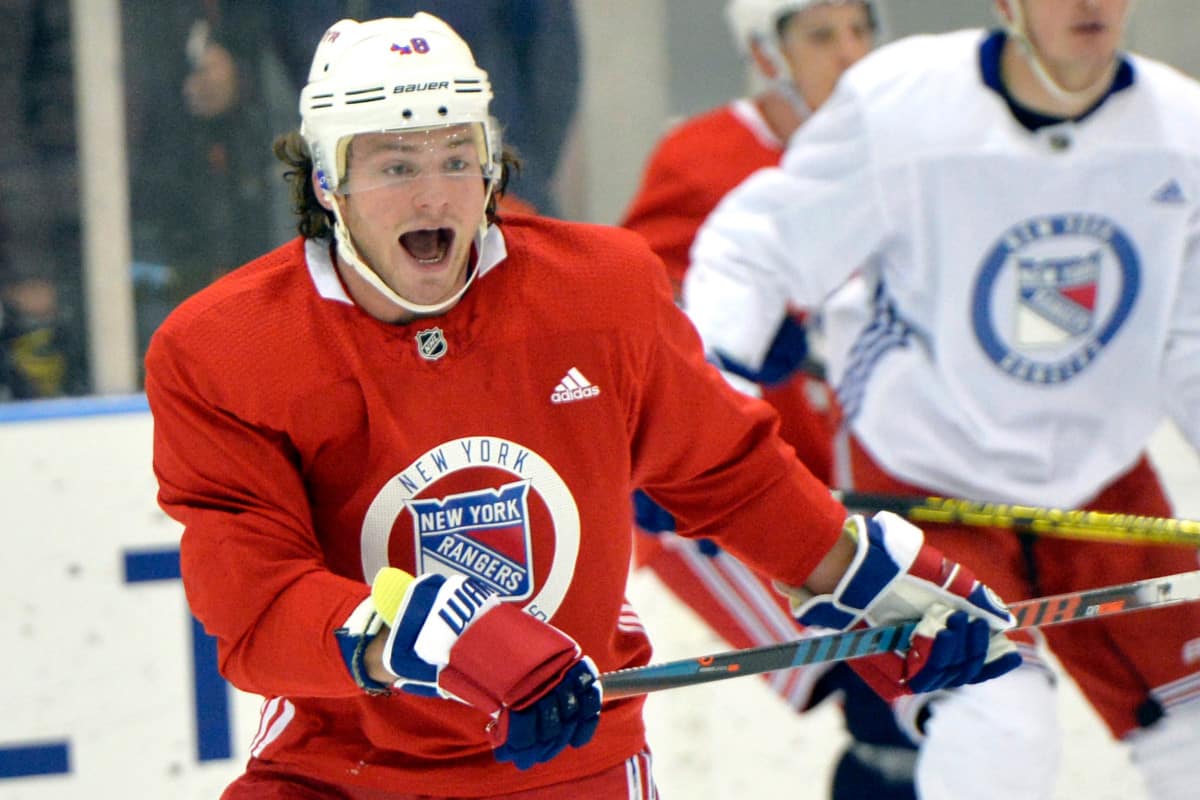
pixel 483 534
pixel 482 506
pixel 1052 293
pixel 1057 298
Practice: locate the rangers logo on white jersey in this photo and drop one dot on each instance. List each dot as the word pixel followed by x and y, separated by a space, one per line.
pixel 1052 293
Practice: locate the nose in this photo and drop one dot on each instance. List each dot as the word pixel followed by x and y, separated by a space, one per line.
pixel 430 192
pixel 851 47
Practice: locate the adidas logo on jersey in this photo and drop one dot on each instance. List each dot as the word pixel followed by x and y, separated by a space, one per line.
pixel 1170 192
pixel 572 387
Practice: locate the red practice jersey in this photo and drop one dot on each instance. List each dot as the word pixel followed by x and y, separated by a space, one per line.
pixel 690 170
pixel 305 444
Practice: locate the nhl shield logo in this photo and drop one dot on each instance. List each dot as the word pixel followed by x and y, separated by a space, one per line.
pixel 431 344
pixel 483 534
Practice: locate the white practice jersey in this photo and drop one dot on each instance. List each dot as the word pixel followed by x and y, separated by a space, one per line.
pixel 1038 310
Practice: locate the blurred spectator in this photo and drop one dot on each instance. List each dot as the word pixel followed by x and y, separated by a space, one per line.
pixel 530 49
pixel 206 89
pixel 41 330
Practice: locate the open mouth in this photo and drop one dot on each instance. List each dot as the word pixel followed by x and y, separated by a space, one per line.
pixel 428 245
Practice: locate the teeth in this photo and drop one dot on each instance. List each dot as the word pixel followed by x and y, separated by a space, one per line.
pixel 441 253
pixel 437 257
pixel 431 241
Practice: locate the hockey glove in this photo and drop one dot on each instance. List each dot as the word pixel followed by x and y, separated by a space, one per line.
pixel 454 638
pixel 784 357
pixel 896 577
pixel 650 516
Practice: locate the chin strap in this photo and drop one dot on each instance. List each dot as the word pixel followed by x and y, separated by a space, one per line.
pixel 349 253
pixel 781 83
pixel 1075 99
pixel 787 89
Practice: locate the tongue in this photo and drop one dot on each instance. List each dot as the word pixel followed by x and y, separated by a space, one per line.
pixel 424 245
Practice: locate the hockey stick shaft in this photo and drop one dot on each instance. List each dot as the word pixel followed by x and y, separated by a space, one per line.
pixel 1036 613
pixel 1089 525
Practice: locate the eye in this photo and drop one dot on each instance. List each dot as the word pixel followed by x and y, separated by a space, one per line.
pixel 457 164
pixel 399 169
pixel 820 36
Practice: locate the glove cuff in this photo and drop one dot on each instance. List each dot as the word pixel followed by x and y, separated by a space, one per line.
pixel 359 629
pixel 507 659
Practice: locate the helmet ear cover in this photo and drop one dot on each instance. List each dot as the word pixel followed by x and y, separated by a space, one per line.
pixel 391 74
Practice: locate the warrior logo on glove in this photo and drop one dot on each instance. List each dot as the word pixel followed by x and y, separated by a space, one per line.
pixel 453 638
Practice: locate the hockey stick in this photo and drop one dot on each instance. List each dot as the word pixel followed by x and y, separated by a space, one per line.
pixel 1037 613
pixel 1090 525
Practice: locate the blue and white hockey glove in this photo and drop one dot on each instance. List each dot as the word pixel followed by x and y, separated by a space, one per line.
pixel 650 516
pixel 896 577
pixel 654 519
pixel 784 357
pixel 454 638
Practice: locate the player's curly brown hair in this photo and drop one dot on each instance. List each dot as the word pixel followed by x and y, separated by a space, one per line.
pixel 315 221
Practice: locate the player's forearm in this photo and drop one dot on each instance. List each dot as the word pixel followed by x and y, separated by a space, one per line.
pixel 824 578
pixel 373 658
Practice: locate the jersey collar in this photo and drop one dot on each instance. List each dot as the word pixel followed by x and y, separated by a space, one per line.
pixel 492 252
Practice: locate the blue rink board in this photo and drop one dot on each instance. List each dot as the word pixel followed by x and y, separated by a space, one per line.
pixel 71 407
pixel 27 760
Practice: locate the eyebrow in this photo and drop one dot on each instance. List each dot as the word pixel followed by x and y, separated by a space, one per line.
pixel 458 140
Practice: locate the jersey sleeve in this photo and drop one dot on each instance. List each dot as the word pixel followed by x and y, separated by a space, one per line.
pixel 711 455
pixel 1182 363
pixel 789 235
pixel 669 206
pixel 236 487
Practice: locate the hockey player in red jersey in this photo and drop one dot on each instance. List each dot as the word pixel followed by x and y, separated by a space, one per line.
pixel 415 388
pixel 798 49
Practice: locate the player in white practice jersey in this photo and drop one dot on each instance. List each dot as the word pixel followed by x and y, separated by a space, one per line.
pixel 1029 199
pixel 798 49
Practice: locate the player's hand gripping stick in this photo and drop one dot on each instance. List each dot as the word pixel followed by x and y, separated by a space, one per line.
pixel 896 577
pixel 454 638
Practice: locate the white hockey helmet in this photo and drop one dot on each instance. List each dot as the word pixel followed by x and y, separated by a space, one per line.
pixel 758 20
pixel 397 75
pixel 391 74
